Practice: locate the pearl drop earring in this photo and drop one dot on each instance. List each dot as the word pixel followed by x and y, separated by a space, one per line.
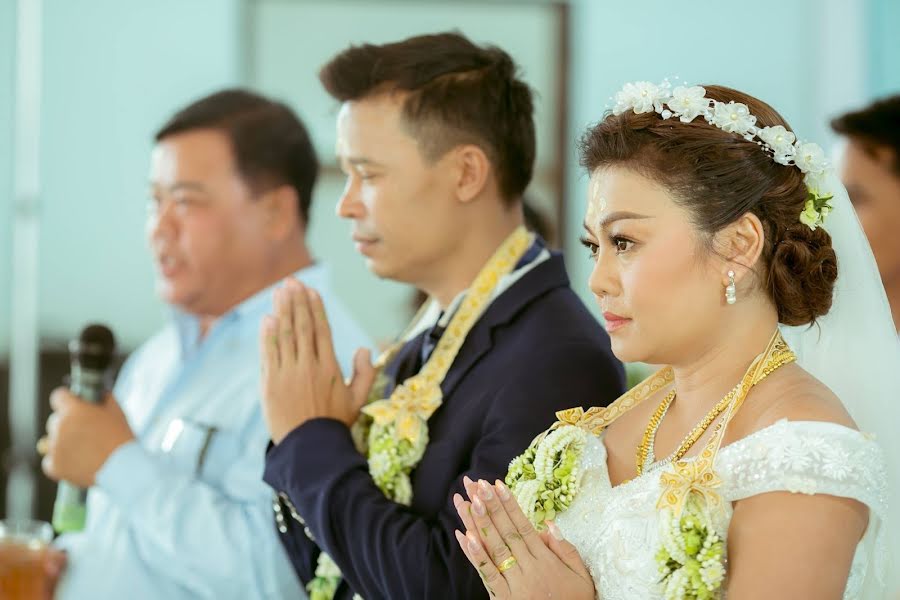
pixel 730 289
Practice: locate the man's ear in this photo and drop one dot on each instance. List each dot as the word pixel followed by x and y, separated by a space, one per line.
pixel 281 208
pixel 472 170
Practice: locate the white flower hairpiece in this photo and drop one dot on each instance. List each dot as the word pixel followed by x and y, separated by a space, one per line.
pixel 688 103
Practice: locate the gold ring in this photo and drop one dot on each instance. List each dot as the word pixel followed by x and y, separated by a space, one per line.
pixel 507 564
pixel 43 446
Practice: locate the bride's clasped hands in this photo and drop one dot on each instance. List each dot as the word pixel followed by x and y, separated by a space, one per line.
pixel 513 559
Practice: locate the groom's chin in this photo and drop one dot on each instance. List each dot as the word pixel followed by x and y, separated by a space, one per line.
pixel 380 269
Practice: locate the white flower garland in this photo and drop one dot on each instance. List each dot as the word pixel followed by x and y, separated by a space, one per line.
pixel 692 557
pixel 688 103
pixel 546 477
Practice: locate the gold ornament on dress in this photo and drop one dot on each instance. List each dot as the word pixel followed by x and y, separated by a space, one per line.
pixel 698 475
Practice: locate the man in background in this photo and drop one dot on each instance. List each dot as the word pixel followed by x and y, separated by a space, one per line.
pixel 870 170
pixel 174 458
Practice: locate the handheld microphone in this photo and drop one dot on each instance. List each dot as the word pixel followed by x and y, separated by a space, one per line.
pixel 90 356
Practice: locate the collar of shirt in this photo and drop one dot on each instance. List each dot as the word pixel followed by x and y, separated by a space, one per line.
pixel 187 325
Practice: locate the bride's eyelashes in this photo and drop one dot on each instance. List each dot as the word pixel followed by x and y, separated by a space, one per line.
pixel 619 243
pixel 591 246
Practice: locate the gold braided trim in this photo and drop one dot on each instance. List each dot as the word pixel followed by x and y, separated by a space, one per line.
pixel 597 418
pixel 418 397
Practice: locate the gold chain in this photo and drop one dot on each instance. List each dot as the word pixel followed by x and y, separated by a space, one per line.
pixel 689 440
pixel 779 356
pixel 650 433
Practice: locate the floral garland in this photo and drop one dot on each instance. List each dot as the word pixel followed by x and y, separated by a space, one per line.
pixel 393 432
pixel 692 557
pixel 689 103
pixel 546 478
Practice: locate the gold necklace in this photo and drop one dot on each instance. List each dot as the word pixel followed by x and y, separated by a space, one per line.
pixel 780 356
pixel 646 446
pixel 643 449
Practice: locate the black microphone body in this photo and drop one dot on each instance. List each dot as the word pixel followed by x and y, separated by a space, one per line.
pixel 90 356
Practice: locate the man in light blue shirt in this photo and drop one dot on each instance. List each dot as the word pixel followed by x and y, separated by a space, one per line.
pixel 174 458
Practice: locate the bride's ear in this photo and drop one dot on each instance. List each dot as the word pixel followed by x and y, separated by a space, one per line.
pixel 741 244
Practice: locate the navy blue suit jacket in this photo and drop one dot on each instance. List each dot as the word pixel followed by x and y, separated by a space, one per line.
pixel 536 350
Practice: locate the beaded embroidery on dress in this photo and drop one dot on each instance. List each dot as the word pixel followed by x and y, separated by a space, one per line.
pixel 616 529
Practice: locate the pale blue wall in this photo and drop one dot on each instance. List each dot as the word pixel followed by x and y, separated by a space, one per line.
pixel 7 48
pixel 113 72
pixel 884 47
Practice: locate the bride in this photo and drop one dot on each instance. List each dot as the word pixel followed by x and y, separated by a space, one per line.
pixel 726 249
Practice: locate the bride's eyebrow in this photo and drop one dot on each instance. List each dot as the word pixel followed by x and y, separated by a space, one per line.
pixel 587 228
pixel 620 215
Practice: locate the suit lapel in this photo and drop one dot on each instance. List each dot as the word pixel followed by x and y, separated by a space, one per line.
pixel 545 277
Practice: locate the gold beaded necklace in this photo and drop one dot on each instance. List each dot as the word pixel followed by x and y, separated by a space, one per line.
pixel 645 449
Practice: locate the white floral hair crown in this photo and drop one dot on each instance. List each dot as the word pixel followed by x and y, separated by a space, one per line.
pixel 688 103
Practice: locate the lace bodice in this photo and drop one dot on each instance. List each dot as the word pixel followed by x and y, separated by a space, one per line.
pixel 616 528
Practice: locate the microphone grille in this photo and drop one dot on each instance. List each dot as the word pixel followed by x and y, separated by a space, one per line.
pixel 94 348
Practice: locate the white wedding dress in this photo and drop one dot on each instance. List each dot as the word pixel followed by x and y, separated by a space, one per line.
pixel 616 529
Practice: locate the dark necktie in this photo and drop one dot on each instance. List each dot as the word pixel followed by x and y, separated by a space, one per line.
pixel 431 339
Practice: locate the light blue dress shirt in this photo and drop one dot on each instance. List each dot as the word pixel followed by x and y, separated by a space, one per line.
pixel 182 512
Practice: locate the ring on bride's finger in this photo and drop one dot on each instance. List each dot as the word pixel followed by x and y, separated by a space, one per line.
pixel 43 446
pixel 507 564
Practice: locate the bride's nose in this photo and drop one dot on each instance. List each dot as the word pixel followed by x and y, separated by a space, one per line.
pixel 605 279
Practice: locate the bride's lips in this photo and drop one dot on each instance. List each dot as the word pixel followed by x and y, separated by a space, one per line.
pixel 614 321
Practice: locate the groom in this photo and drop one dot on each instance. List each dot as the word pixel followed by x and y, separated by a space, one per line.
pixel 436 137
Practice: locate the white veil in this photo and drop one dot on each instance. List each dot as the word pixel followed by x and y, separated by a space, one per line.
pixel 855 351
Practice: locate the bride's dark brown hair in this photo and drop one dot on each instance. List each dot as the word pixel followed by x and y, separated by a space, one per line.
pixel 719 176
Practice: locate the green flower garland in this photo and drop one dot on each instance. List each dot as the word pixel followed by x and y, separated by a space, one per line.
pixel 546 477
pixel 692 557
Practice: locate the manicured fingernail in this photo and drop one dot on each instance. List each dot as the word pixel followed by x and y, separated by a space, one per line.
pixel 457 501
pixel 474 546
pixel 478 506
pixel 502 490
pixel 460 537
pixel 554 530
pixel 466 481
pixel 485 490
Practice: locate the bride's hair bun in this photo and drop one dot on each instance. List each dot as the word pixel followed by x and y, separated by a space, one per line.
pixel 801 275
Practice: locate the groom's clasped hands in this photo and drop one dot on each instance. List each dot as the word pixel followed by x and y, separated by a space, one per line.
pixel 301 377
